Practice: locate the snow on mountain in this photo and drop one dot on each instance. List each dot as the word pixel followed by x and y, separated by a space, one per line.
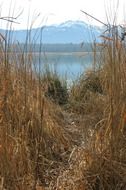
pixel 67 32
pixel 70 23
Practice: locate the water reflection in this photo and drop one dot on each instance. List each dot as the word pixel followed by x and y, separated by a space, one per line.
pixel 69 65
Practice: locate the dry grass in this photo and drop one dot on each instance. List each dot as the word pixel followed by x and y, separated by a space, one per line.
pixel 43 146
pixel 32 133
pixel 101 164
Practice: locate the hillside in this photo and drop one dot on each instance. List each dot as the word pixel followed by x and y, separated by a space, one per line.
pixel 68 32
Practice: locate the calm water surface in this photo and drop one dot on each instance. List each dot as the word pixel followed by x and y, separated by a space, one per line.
pixel 69 65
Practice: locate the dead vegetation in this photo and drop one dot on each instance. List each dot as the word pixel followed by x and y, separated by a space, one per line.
pixel 101 163
pixel 44 145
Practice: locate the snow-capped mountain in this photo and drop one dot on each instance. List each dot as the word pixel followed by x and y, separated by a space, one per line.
pixel 71 23
pixel 67 32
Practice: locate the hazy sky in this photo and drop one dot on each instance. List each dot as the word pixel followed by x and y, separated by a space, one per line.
pixel 41 12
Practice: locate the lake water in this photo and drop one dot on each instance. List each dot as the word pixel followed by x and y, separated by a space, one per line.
pixel 69 65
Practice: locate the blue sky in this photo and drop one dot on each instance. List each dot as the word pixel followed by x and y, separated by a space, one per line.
pixel 41 12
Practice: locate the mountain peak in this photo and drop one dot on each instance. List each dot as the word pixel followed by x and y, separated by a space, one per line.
pixel 70 23
pixel 66 32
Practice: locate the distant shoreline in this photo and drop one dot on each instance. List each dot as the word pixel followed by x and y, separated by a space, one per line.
pixel 63 53
pixel 50 53
pixel 53 53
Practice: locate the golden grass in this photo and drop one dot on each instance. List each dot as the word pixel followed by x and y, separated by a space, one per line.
pixel 101 164
pixel 32 129
pixel 45 146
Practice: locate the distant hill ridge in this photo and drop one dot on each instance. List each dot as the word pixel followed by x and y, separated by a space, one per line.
pixel 67 32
